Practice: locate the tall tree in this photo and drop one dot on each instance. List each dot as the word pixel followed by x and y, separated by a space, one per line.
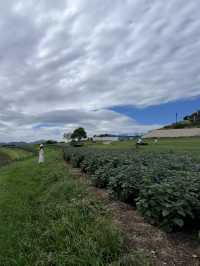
pixel 79 133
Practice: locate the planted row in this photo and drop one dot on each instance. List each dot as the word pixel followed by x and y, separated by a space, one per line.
pixel 165 187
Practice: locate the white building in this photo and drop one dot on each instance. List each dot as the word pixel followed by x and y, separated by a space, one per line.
pixel 106 138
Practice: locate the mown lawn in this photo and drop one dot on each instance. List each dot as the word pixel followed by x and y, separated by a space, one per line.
pixel 48 218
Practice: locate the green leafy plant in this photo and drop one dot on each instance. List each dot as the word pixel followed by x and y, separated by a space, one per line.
pixel 125 184
pixel 173 203
pixel 79 134
pixel 165 185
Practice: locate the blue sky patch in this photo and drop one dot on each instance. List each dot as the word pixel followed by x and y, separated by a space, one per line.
pixel 160 114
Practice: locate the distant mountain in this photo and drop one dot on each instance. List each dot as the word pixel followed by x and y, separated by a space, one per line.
pixel 13 143
pixel 21 143
pixel 38 141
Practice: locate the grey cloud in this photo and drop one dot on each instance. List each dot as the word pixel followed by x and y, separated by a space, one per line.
pixel 60 121
pixel 83 55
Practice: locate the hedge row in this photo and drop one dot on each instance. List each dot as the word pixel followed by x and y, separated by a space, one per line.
pixel 165 187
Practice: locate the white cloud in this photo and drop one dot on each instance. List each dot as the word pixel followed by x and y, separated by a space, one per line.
pixel 56 56
pixel 54 124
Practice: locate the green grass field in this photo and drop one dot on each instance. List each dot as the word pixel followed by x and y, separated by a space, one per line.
pixel 191 145
pixel 7 155
pixel 15 153
pixel 48 218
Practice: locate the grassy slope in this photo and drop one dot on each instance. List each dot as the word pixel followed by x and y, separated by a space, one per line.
pixel 15 153
pixel 47 218
pixel 191 145
pixel 8 155
pixel 4 159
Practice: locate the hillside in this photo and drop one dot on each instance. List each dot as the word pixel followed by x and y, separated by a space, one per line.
pixel 174 133
pixel 189 121
pixel 188 127
pixel 9 154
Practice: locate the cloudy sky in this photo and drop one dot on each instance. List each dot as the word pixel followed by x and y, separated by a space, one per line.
pixel 118 66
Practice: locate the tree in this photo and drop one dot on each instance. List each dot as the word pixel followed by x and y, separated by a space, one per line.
pixel 51 141
pixel 79 134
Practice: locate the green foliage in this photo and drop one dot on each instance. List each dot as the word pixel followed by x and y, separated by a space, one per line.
pixel 79 134
pixel 134 259
pixel 165 185
pixel 103 174
pixel 4 158
pixel 51 141
pixel 9 154
pixel 173 203
pixel 125 184
pixel 48 218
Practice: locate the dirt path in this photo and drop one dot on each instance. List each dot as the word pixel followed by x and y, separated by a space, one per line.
pixel 164 249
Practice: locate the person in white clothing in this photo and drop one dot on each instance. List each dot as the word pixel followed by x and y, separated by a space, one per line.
pixel 41 154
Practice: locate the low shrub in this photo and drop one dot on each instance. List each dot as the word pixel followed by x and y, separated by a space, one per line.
pixel 103 175
pixel 173 203
pixel 126 183
pixel 165 185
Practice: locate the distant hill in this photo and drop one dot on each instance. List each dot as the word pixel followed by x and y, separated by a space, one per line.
pixel 189 121
pixel 21 143
pixel 38 141
pixel 13 143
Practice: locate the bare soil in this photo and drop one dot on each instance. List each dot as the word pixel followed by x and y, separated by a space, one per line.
pixel 177 249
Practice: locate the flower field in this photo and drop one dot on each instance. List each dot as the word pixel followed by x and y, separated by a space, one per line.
pixel 164 186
